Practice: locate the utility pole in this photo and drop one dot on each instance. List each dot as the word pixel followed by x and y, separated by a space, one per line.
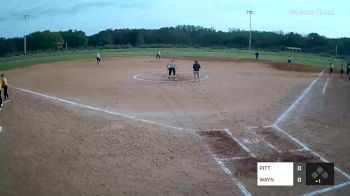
pixel 336 50
pixel 250 12
pixel 25 33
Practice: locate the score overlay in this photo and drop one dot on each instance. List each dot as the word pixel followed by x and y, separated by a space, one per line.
pixel 275 174
pixel 290 174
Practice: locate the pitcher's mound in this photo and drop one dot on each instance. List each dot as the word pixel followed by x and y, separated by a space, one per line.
pixel 163 77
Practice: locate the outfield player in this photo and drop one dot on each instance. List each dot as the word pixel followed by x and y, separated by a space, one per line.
pixel 196 68
pixel 331 68
pixel 341 70
pixel 289 59
pixel 172 68
pixel 98 58
pixel 0 96
pixel 348 69
pixel 5 87
pixel 158 55
pixel 257 55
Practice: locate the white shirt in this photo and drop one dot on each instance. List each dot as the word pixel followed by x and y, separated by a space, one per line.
pixel 98 55
pixel 172 65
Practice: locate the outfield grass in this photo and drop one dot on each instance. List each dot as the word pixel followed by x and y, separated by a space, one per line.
pixel 7 63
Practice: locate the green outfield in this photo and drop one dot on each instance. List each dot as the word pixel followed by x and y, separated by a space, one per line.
pixel 7 63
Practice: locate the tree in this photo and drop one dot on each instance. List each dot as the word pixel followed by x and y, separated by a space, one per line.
pixel 75 39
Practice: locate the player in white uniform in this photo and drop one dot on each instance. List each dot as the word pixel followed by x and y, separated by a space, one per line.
pixel 158 55
pixel 172 69
pixel 98 58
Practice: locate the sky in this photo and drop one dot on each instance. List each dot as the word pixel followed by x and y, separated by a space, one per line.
pixel 325 17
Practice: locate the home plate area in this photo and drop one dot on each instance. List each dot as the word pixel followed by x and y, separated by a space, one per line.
pixel 240 154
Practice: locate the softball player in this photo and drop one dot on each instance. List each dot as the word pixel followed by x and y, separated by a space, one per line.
pixel 158 55
pixel 4 86
pixel 98 58
pixel 172 69
pixel 196 68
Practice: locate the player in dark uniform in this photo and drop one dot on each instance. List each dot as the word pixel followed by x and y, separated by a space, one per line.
pixel 0 96
pixel 289 59
pixel 348 69
pixel 341 70
pixel 257 55
pixel 196 68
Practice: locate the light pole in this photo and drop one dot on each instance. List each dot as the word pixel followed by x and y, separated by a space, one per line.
pixel 25 33
pixel 250 28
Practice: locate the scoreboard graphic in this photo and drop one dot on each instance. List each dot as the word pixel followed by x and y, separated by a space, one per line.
pixel 290 174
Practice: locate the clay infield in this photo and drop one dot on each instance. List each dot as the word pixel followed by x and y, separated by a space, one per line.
pixel 77 128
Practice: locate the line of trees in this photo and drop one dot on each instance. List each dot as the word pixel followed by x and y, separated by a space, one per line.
pixel 182 36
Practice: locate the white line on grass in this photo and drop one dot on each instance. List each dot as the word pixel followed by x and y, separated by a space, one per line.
pixel 296 102
pixel 325 87
pixel 240 143
pixel 324 190
pixel 242 188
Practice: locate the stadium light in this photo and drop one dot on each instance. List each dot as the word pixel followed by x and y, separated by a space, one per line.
pixel 25 33
pixel 250 28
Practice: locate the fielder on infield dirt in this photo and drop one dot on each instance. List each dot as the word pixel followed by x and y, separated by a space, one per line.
pixel 172 69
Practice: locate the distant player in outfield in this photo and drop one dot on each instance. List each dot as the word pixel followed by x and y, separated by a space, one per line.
pixel 98 58
pixel 0 96
pixel 5 87
pixel 331 66
pixel 196 68
pixel 348 69
pixel 257 55
pixel 158 55
pixel 172 68
pixel 289 59
pixel 341 70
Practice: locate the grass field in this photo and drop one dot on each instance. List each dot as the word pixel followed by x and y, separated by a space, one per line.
pixel 7 63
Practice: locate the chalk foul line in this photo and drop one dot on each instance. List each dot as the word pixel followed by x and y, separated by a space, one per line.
pixel 325 87
pixel 305 147
pixel 220 162
pixel 296 102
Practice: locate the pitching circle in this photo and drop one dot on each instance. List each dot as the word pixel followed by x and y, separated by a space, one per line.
pixel 163 77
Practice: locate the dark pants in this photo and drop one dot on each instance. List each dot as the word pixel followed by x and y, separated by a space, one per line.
pixel 98 60
pixel 0 99
pixel 6 95
pixel 158 56
pixel 289 61
pixel 172 70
